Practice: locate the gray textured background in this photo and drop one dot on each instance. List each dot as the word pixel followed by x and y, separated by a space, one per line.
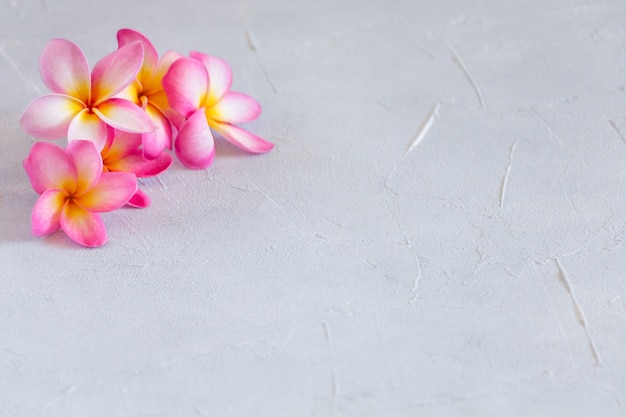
pixel 346 273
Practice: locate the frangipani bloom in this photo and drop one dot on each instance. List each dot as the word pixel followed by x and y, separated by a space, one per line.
pixel 73 189
pixel 147 92
pixel 118 119
pixel 122 153
pixel 198 89
pixel 82 103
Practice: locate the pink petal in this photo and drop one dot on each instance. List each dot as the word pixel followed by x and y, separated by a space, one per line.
pixel 165 62
pixel 234 108
pixel 82 226
pixel 64 69
pixel 115 72
pixel 49 117
pixel 47 212
pixel 109 141
pixel 186 85
pixel 88 126
pixel 88 163
pixel 150 57
pixel 155 142
pixel 177 119
pixel 220 75
pixel 112 191
pixel 50 167
pixel 155 166
pixel 194 144
pixel 131 162
pixel 124 115
pixel 140 166
pixel 242 138
pixel 139 200
pixel 121 144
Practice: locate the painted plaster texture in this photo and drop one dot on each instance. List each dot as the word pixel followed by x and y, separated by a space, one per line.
pixel 439 230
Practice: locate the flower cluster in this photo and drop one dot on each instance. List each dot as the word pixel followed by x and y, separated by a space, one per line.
pixel 120 119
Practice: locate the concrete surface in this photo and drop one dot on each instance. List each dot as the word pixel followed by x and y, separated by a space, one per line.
pixel 438 232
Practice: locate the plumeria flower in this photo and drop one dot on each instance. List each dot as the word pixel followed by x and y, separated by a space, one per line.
pixel 122 153
pixel 198 88
pixel 73 190
pixel 82 103
pixel 147 92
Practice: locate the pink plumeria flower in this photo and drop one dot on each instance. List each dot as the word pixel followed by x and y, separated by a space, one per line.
pixel 82 103
pixel 147 92
pixel 73 189
pixel 122 153
pixel 198 88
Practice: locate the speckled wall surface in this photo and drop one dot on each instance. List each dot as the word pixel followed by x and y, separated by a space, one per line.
pixel 439 230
